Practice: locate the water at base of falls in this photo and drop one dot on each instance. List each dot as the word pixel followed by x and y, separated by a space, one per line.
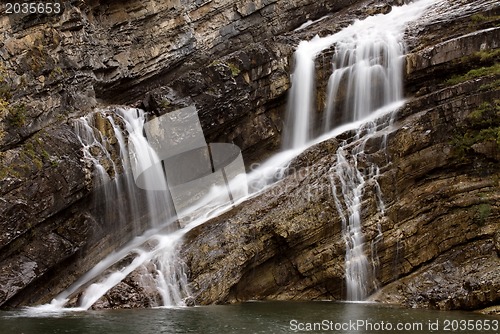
pixel 248 318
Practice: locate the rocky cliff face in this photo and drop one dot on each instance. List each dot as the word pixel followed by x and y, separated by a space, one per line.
pixel 60 66
pixel 232 60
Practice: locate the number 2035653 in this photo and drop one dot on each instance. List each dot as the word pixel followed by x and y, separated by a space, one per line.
pixel 33 8
pixel 471 325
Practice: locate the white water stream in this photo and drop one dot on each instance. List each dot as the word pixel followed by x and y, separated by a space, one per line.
pixel 367 74
pixel 124 208
pixel 367 69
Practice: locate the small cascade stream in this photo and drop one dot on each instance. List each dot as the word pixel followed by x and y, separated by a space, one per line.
pixel 154 252
pixel 367 75
pixel 115 182
pixel 350 176
pixel 365 84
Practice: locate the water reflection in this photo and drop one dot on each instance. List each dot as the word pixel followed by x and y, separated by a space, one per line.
pixel 253 317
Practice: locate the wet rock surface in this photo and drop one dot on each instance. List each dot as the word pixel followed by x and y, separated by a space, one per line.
pixel 441 212
pixel 464 278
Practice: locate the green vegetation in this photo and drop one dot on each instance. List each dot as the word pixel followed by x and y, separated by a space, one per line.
pixel 482 63
pixel 483 211
pixel 4 106
pixel 235 71
pixel 486 114
pixel 38 60
pixel 474 73
pixel 165 104
pixel 462 144
pixel 480 18
pixel 483 125
pixel 492 85
pixel 56 73
pixel 486 56
pixel 14 114
pixel 29 158
pixel 30 153
pixel 5 170
pixel 483 21
pixel 17 115
pixel 215 63
pixel 5 92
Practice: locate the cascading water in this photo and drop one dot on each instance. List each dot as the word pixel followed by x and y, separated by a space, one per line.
pixel 112 168
pixel 367 76
pixel 130 204
pixel 350 175
pixel 153 254
pixel 300 104
pixel 367 73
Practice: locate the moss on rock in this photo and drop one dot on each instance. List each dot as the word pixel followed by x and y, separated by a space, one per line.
pixel 483 125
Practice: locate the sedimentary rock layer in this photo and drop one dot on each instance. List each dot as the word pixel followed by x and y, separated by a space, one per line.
pixel 439 172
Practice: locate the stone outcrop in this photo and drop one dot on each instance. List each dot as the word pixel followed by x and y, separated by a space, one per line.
pixel 62 65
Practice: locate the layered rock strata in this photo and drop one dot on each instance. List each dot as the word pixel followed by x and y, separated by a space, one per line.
pixel 436 244
pixel 441 216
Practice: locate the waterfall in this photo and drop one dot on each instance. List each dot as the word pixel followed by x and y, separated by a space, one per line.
pixel 366 73
pixel 167 275
pixel 119 202
pixel 105 151
pixel 366 81
pixel 352 186
pixel 367 70
pixel 351 174
pixel 367 76
pixel 300 104
pixel 167 171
